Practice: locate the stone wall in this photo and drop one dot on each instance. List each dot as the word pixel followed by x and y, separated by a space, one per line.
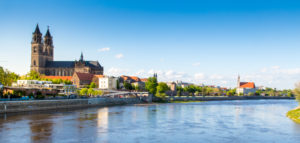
pixel 37 105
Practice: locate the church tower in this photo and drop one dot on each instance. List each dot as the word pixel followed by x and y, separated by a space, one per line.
pixel 38 59
pixel 48 46
pixel 238 82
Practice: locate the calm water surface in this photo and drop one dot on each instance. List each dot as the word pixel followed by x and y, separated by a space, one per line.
pixel 215 121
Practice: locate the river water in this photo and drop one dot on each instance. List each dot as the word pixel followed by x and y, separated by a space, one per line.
pixel 215 121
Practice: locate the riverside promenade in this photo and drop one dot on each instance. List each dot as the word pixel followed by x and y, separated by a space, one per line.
pixel 55 104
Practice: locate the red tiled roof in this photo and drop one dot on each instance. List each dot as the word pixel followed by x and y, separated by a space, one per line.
pixel 132 78
pixel 99 76
pixel 58 77
pixel 85 76
pixel 247 85
pixel 144 79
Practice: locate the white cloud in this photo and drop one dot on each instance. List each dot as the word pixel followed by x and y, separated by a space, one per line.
pixel 117 71
pixel 196 64
pixel 104 49
pixel 199 76
pixel 119 56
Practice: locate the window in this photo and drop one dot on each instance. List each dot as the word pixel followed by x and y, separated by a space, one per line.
pixel 34 49
pixel 34 63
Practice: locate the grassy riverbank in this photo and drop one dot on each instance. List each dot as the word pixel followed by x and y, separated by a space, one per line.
pixel 294 115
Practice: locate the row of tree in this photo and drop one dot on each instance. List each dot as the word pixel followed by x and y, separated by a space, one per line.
pixel 7 77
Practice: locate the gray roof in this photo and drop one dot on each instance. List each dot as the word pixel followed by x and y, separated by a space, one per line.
pixel 71 64
pixel 60 64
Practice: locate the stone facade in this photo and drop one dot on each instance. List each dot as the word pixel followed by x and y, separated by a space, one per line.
pixel 42 55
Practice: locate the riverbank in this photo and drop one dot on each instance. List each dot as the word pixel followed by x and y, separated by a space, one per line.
pixel 294 115
pixel 219 98
pixel 40 105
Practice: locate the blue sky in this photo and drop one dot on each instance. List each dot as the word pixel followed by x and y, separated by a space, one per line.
pixel 200 41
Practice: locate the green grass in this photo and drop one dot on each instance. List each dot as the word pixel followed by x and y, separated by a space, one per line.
pixel 294 115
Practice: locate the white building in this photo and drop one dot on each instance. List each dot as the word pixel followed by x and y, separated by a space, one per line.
pixel 245 88
pixel 1 86
pixel 107 82
pixel 30 83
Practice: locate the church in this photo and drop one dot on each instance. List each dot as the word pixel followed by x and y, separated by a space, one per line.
pixel 42 59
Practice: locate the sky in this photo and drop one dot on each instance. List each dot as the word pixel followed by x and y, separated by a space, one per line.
pixel 198 41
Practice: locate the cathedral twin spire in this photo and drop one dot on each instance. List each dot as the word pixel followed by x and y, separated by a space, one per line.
pixel 37 36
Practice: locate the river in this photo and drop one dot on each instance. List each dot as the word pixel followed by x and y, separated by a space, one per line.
pixel 208 122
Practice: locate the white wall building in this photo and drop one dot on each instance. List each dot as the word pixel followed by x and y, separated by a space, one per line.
pixel 107 82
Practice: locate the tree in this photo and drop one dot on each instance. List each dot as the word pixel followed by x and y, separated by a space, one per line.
pixel 118 84
pixel 90 91
pixel 7 77
pixel 32 75
pixel 127 85
pixel 296 92
pixel 151 85
pixel 92 85
pixel 83 91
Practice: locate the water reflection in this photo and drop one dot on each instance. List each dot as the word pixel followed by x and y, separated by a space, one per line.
pixel 217 121
pixel 41 128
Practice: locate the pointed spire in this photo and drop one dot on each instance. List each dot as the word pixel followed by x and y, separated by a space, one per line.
pixel 37 30
pixel 48 33
pixel 81 57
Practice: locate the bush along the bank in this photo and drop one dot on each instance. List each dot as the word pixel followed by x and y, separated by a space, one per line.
pixel 295 114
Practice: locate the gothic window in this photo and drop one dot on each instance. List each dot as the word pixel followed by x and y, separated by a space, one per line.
pixel 34 49
pixel 34 63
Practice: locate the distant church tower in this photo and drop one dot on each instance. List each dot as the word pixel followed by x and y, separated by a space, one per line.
pixel 238 81
pixel 41 50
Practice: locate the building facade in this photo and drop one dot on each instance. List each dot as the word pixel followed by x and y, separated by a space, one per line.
pixel 245 88
pixel 42 59
pixel 107 82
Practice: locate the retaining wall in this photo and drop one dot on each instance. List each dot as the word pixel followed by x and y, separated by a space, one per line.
pixel 37 105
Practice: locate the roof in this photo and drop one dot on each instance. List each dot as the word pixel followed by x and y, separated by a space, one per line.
pixel 144 79
pixel 130 78
pixel 48 33
pixel 37 30
pixel 247 85
pixel 84 76
pixel 99 76
pixel 60 64
pixel 58 77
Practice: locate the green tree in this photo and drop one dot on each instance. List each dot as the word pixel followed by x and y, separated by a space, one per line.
pixel 92 85
pixel 162 88
pixel 127 86
pixel 83 91
pixel 118 84
pixel 33 75
pixel 151 85
pixel 90 91
pixel 7 77
pixel 296 92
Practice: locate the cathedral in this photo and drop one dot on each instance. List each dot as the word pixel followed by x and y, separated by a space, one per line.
pixel 42 51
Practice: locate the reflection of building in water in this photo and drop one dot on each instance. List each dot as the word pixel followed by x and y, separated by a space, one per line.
pixel 102 124
pixel 41 128
pixel 102 121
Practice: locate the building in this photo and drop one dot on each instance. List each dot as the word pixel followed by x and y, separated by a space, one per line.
pixel 245 88
pixel 133 80
pixel 172 86
pixel 183 84
pixel 105 82
pixel 42 59
pixel 47 87
pixel 82 79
